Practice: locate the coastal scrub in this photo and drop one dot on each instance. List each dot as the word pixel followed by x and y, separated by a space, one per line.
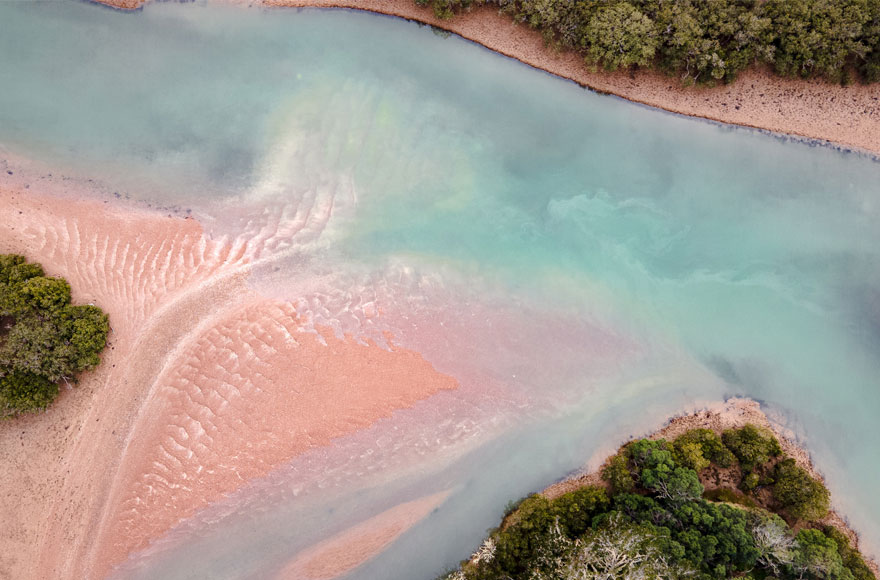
pixel 653 518
pixel 44 339
pixel 707 41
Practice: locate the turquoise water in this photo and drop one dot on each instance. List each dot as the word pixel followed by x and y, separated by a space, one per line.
pixel 600 263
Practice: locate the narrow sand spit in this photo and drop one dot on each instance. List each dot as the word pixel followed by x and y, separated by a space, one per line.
pixel 199 369
pixel 349 549
pixel 848 116
pixel 731 414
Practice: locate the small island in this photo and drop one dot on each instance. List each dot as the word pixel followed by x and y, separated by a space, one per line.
pixel 712 495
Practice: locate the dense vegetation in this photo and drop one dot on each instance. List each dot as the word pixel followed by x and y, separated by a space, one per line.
pixel 705 41
pixel 44 339
pixel 656 520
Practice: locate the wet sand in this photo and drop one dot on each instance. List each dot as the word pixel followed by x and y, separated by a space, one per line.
pixel 199 369
pixel 351 548
pixel 812 109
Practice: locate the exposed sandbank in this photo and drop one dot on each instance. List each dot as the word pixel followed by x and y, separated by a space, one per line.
pixel 731 414
pixel 248 393
pixel 351 548
pixel 814 109
pixel 199 369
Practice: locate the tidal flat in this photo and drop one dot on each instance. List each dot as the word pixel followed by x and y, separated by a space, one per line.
pixel 352 265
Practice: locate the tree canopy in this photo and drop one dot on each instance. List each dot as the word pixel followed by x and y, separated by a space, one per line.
pixel 751 445
pixel 655 524
pixel 706 41
pixel 44 339
pixel 800 495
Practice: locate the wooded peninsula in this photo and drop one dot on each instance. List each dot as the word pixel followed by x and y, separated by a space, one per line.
pixel 708 504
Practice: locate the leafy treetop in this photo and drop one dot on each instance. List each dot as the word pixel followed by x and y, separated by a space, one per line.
pixel 44 339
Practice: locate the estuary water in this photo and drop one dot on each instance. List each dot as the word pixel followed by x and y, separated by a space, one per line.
pixel 583 265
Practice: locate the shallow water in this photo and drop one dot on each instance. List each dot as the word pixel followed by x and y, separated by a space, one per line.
pixel 584 266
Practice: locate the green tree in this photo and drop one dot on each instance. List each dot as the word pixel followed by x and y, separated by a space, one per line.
pixel 709 41
pixel 817 37
pixel 690 454
pixel 45 295
pixel 617 474
pixel 698 448
pixel 88 327
pixel 870 62
pixel 643 509
pixel 518 542
pixel 575 510
pixel 14 272
pixel 850 557
pixel 799 494
pixel 752 445
pixel 23 392
pixel 620 36
pixel 817 556
pixel 681 485
pixel 648 454
pixel 717 538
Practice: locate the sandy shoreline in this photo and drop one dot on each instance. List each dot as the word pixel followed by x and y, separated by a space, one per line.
pixel 170 381
pixel 813 109
pixel 198 368
pixel 731 414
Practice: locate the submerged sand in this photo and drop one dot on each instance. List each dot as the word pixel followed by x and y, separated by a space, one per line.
pixel 349 549
pixel 199 369
pixel 814 109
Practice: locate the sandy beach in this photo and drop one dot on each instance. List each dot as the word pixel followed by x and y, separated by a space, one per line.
pixel 199 368
pixel 812 109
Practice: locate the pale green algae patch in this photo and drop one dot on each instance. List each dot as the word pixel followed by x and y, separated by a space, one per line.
pixel 717 260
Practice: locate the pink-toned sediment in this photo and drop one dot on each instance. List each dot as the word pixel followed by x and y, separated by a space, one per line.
pixel 204 385
pixel 59 464
pixel 349 549
pixel 247 394
pixel 815 109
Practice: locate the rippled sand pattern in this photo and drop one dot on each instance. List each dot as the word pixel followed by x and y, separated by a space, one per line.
pixel 132 267
pixel 247 394
pixel 205 384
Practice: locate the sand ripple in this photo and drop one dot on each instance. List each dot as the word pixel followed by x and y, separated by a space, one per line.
pixel 205 384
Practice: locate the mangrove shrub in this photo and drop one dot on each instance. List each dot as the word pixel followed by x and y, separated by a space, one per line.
pixel 44 339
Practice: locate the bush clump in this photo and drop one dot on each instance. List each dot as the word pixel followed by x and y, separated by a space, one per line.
pixel 698 448
pixel 618 475
pixel 44 339
pixel 752 446
pixel 800 495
